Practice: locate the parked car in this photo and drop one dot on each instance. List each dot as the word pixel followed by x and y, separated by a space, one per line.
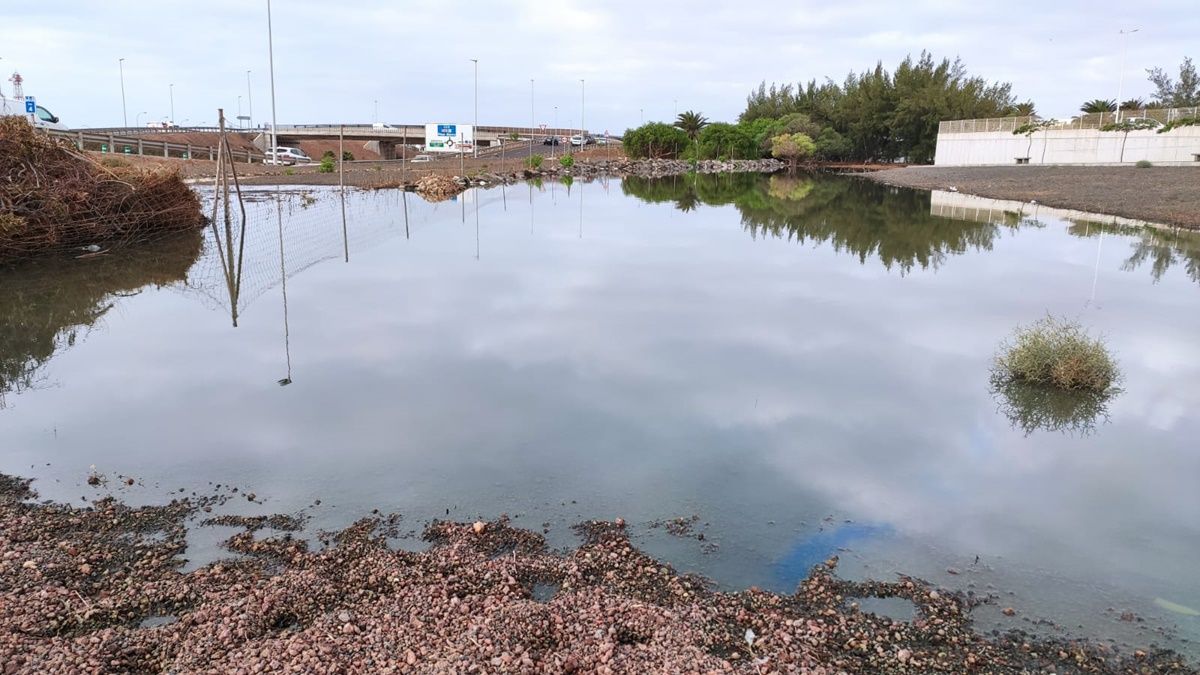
pixel 550 140
pixel 284 155
pixel 420 159
pixel 43 118
pixel 577 140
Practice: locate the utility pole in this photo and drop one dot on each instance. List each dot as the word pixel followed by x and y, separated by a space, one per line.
pixel 124 114
pixel 1121 77
pixel 582 126
pixel 531 117
pixel 271 61
pixel 475 131
pixel 249 99
pixel 376 111
pixel 172 88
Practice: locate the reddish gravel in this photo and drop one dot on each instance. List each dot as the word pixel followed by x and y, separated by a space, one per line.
pixel 1161 194
pixel 78 585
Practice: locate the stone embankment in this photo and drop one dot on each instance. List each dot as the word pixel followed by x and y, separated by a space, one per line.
pixel 443 187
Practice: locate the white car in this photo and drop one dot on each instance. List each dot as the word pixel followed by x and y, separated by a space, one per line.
pixel 43 119
pixel 577 140
pixel 283 155
pixel 420 158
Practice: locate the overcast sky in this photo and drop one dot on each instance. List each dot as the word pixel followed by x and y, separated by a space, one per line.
pixel 334 60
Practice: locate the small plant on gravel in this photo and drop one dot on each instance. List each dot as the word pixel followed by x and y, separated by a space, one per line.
pixel 567 161
pixel 326 165
pixel 347 156
pixel 329 154
pixel 1058 353
pixel 1143 164
pixel 289 171
pixel 535 161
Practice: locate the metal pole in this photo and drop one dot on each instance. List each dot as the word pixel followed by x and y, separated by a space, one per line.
pixel 1121 77
pixel 582 126
pixel 271 61
pixel 531 116
pixel 249 100
pixel 475 132
pixel 172 88
pixel 555 144
pixel 124 114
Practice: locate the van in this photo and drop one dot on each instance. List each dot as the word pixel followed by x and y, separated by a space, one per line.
pixel 43 118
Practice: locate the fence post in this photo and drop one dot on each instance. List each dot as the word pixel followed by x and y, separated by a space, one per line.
pixel 81 141
pixel 188 152
pixel 210 155
pixel 166 153
pixel 140 146
pixel 112 146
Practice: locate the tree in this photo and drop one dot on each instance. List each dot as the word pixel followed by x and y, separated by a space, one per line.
pixel 793 148
pixel 1133 104
pixel 654 139
pixel 1182 94
pixel 1099 105
pixel 722 140
pixel 832 146
pixel 1025 109
pixel 691 123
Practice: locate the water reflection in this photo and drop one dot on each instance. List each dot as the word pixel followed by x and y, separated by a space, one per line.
pixel 1030 407
pixel 858 217
pixel 49 305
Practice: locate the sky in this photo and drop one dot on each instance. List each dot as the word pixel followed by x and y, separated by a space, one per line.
pixel 640 60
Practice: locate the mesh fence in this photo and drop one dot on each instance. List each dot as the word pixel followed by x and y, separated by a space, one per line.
pixel 1083 121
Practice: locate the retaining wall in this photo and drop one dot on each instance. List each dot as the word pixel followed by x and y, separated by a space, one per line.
pixel 1068 146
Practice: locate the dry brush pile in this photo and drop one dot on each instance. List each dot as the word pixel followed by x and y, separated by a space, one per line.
pixel 54 198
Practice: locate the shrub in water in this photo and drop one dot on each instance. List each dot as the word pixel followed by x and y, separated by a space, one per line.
pixel 1143 164
pixel 567 161
pixel 1056 353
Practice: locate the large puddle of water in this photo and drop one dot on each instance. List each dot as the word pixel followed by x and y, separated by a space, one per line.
pixel 801 364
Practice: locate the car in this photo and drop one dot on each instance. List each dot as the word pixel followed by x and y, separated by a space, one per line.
pixel 577 140
pixel 43 119
pixel 420 159
pixel 285 155
pixel 550 140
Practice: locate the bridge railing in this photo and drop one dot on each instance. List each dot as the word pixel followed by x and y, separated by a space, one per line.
pixel 111 142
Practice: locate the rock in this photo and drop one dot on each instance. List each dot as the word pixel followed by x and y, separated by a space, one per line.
pixel 344 617
pixel 903 655
pixel 1009 611
pixel 620 522
pixel 934 595
pixel 479 527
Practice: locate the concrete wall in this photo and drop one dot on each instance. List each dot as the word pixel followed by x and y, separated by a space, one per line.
pixel 1068 146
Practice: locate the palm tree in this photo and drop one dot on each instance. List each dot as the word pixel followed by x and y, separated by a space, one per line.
pixel 1099 105
pixel 691 123
pixel 1025 109
pixel 1134 104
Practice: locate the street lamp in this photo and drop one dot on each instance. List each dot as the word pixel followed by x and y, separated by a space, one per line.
pixel 582 127
pixel 271 61
pixel 531 117
pixel 137 119
pixel 1121 77
pixel 172 88
pixel 475 132
pixel 124 114
pixel 249 99
pixel 239 110
pixel 376 111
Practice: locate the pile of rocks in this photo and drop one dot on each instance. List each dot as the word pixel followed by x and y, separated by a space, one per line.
pixel 436 188
pixel 93 590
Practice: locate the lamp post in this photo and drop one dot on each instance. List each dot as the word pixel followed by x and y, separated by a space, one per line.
pixel 271 62
pixel 582 127
pixel 531 116
pixel 249 100
pixel 475 131
pixel 137 119
pixel 1121 77
pixel 172 88
pixel 124 113
pixel 552 146
pixel 376 111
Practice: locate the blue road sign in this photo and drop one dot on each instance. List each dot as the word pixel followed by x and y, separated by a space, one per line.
pixel 447 130
pixel 30 105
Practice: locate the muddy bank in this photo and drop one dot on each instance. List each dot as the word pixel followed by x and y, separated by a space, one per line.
pixel 98 589
pixel 1168 195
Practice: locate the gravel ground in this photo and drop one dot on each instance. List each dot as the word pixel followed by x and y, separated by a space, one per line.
pixel 98 590
pixel 1169 195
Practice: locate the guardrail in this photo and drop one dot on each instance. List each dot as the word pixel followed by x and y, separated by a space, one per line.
pixel 136 145
pixel 1084 121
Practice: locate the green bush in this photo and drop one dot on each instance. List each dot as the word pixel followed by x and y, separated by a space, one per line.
pixel 567 161
pixel 347 156
pixel 534 161
pixel 328 155
pixel 1143 164
pixel 655 139
pixel 726 140
pixel 326 165
pixel 1057 353
pixel 1181 122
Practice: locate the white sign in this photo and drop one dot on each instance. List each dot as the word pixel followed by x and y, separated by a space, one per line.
pixel 449 138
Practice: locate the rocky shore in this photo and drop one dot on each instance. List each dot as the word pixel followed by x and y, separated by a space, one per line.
pixel 99 590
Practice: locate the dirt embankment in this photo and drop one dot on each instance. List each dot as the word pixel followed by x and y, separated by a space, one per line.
pixel 1168 195
pixel 98 590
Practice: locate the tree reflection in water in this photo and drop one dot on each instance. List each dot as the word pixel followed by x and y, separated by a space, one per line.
pixel 51 304
pixel 1030 407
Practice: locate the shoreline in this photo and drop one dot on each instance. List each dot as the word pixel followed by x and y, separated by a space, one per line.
pixel 1164 195
pixel 99 588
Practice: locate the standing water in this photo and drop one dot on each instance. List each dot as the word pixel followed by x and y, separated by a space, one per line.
pixel 776 369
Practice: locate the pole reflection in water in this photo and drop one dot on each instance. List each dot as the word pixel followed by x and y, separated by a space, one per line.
pixel 476 200
pixel 287 347
pixel 404 198
pixel 345 237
